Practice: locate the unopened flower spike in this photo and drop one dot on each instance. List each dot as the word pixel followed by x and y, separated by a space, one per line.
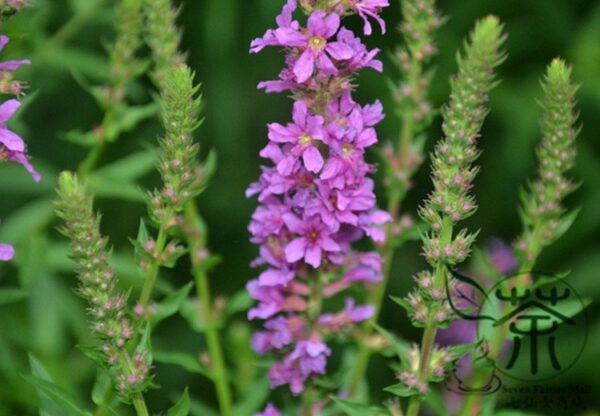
pixel 178 164
pixel 124 66
pixel 544 216
pixel 451 201
pixel 108 311
pixel 316 198
pixel 163 37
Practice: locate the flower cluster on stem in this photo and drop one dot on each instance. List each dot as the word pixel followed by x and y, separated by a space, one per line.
pixel 163 37
pixel 316 199
pixel 543 211
pixel 543 215
pixel 110 319
pixel 183 175
pixel 12 146
pixel 450 201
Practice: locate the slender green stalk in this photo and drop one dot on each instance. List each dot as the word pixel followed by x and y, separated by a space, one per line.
pixel 219 371
pixel 152 273
pixel 450 202
pixel 542 213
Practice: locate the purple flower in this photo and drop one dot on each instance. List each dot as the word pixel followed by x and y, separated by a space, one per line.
pixel 270 410
pixel 502 257
pixel 306 360
pixel 370 8
pixel 315 238
pixel 284 20
pixel 361 56
pixel 316 50
pixel 303 133
pixel 346 318
pixel 10 65
pixel 12 147
pixel 277 336
pixel 7 252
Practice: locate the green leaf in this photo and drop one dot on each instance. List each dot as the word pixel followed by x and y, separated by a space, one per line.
pixel 127 118
pixel 401 347
pixel 130 167
pixel 182 407
pixel 240 302
pixel 145 344
pixel 104 187
pixel 253 399
pixel 171 304
pixel 199 408
pixel 14 180
pixel 413 233
pixel 359 409
pixel 184 360
pixel 458 351
pixel 403 303
pixel 8 296
pixel 190 311
pixel 81 138
pixel 78 59
pixel 565 223
pixel 102 387
pixel 31 259
pixel 434 400
pixel 401 390
pixel 54 399
pixel 34 216
pixel 95 91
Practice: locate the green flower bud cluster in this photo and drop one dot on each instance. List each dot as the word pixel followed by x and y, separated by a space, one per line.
pixel 421 19
pixel 450 201
pixel 420 22
pixel 182 175
pixel 109 315
pixel 163 37
pixel 452 160
pixel 123 64
pixel 543 214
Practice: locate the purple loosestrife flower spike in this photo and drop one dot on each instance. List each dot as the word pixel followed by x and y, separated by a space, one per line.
pixel 315 196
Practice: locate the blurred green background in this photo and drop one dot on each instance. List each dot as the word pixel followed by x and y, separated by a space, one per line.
pixel 65 40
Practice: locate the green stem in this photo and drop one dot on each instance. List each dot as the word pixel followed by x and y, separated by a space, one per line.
pixel 430 330
pixel 427 344
pixel 91 160
pixel 315 307
pixel 152 273
pixel 140 405
pixel 103 406
pixel 215 350
pixel 138 398
pixel 307 402
pixel 387 249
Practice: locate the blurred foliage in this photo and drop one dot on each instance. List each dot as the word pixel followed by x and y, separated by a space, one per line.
pixel 39 313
